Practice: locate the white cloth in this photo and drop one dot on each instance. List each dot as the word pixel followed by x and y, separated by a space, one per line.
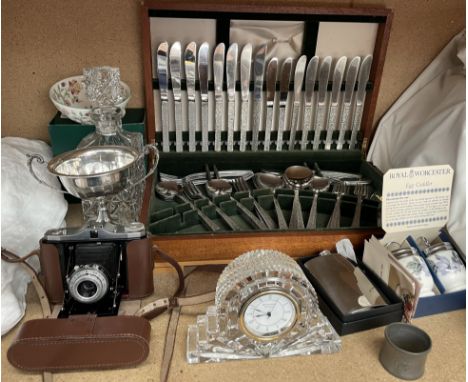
pixel 28 210
pixel 426 126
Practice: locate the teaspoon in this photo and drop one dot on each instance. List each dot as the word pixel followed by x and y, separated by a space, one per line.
pixel 297 177
pixel 272 182
pixel 216 187
pixel 317 185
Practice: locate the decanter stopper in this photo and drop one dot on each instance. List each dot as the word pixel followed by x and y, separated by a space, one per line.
pixel 103 86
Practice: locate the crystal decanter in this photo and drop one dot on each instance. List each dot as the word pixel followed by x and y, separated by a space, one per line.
pixel 103 91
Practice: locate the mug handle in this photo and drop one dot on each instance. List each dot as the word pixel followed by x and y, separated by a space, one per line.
pixel 40 159
pixel 146 150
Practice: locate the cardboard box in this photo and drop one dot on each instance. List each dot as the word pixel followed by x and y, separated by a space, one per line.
pixel 360 321
pixel 65 134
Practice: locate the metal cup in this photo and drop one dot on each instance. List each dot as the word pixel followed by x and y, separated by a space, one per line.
pixel 405 350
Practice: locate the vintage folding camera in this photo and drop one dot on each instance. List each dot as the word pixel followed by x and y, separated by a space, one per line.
pixel 90 269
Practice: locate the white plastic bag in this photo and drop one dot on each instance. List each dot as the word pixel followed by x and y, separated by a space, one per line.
pixel 28 210
pixel 426 126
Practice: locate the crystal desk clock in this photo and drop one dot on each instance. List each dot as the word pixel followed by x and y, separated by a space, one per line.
pixel 264 307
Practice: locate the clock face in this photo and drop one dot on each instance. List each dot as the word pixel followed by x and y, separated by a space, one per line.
pixel 268 315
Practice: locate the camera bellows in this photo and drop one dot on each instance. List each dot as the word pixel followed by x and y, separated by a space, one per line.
pixel 80 342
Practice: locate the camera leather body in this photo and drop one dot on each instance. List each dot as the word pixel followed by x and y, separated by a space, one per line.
pixel 80 342
pixel 139 260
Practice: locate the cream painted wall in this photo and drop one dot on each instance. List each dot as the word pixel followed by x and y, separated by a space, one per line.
pixel 45 41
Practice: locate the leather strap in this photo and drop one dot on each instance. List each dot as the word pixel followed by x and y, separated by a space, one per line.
pixel 149 311
pixel 10 257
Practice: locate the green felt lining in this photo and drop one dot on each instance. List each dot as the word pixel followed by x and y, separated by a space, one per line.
pixel 172 218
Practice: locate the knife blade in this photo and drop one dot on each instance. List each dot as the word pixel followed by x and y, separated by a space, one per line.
pixel 245 69
pixel 351 77
pixel 364 72
pixel 324 73
pixel 190 64
pixel 259 70
pixel 203 80
pixel 338 74
pixel 284 120
pixel 231 74
pixel 218 76
pixel 175 66
pixel 298 96
pixel 311 74
pixel 271 98
pixel 163 73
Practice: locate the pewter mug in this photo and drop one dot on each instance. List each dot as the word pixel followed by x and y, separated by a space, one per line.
pixel 405 350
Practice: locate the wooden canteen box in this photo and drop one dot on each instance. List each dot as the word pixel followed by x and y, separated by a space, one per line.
pixel 287 31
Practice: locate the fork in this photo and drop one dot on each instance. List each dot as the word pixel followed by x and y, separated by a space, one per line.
pixel 361 191
pixel 339 189
pixel 194 193
pixel 241 185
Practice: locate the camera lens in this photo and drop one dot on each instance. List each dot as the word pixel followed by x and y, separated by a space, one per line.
pixel 87 289
pixel 88 283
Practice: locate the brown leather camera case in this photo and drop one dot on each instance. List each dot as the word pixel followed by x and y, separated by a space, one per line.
pixel 139 270
pixel 80 342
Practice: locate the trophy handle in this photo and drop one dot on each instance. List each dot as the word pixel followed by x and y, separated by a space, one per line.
pixel 40 159
pixel 146 151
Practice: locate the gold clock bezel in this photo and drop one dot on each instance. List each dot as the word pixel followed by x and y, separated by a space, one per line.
pixel 274 337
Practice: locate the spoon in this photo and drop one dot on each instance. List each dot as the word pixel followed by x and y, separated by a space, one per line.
pixel 318 185
pixel 170 190
pixel 268 180
pixel 297 177
pixel 216 187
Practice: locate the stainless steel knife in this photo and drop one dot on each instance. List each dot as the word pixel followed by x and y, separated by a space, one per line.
pixel 259 70
pixel 284 120
pixel 338 74
pixel 245 69
pixel 298 96
pixel 351 76
pixel 175 66
pixel 271 98
pixel 311 74
pixel 163 74
pixel 231 77
pixel 218 76
pixel 324 73
pixel 364 73
pixel 203 80
pixel 190 77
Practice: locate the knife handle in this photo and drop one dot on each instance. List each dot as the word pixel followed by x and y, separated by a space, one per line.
pixel 281 127
pixel 244 124
pixel 332 116
pixel 306 125
pixel 268 126
pixel 219 119
pixel 266 218
pixel 192 125
pixel 343 124
pixel 165 126
pixel 178 125
pixel 257 110
pixel 356 125
pixel 319 122
pixel 231 121
pixel 204 126
pixel 294 125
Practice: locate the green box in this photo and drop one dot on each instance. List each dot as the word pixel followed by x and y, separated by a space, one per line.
pixel 65 134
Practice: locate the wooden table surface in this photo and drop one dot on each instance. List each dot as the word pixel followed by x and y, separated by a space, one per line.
pixel 358 360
